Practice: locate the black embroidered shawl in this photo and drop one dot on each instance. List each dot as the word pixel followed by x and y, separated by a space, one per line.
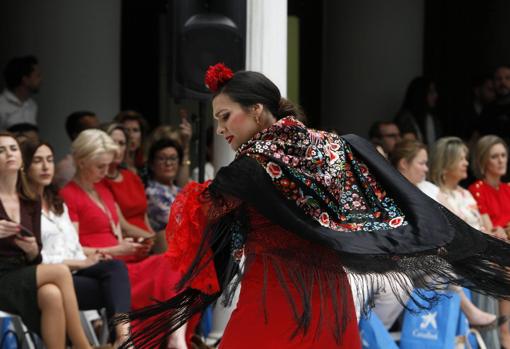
pixel 340 193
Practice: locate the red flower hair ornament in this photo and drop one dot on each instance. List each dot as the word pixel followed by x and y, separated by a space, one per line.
pixel 216 76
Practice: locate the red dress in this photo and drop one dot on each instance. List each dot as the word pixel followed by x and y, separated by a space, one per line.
pixel 264 317
pixel 493 202
pixel 150 278
pixel 129 194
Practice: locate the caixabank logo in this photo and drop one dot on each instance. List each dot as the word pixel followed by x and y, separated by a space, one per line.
pixel 428 326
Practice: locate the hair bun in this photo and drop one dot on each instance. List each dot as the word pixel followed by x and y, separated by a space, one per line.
pixel 287 108
pixel 216 76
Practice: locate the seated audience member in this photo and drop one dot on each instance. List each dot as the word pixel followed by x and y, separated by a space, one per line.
pixel 448 167
pixel 93 210
pixel 129 193
pixel 25 132
pixel 468 124
pixel 417 118
pixel 99 281
pixel 43 295
pixel 75 123
pixel 384 135
pixel 182 136
pixel 410 158
pixel 165 157
pixel 136 128
pixel 493 198
pixel 496 117
pixel 22 80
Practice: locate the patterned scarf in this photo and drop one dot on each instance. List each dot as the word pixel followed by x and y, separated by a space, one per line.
pixel 318 171
pixel 337 192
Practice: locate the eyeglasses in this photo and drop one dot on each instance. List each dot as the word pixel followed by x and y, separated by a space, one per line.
pixel 163 160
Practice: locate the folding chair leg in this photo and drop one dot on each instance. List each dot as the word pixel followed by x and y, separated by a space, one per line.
pixel 89 330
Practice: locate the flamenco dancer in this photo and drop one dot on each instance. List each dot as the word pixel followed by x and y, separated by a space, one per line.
pixel 302 207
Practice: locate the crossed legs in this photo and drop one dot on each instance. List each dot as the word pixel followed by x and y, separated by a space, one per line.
pixel 59 308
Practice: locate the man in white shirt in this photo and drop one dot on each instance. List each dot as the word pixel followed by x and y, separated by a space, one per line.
pixel 22 79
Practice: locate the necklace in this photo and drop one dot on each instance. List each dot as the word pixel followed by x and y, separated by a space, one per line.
pixel 115 175
pixel 98 201
pixel 84 188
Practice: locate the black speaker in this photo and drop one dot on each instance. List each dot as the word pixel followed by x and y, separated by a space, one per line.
pixel 204 33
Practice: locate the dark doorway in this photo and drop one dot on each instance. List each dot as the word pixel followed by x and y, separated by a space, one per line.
pixel 310 17
pixel 140 57
pixel 463 41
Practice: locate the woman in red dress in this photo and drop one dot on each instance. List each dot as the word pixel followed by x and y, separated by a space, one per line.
pixel 136 127
pixel 93 210
pixel 292 210
pixel 129 193
pixel 493 198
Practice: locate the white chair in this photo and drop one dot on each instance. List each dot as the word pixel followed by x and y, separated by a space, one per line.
pixel 86 318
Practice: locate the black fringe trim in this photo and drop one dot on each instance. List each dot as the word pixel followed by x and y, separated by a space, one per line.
pixel 152 325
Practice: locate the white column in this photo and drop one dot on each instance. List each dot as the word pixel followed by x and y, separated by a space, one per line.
pixel 266 40
pixel 266 52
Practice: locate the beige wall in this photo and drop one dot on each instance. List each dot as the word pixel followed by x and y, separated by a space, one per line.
pixel 78 45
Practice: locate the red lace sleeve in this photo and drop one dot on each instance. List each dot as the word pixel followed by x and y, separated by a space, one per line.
pixel 184 234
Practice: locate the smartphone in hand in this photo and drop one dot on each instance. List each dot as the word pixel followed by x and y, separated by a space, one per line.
pixel 25 232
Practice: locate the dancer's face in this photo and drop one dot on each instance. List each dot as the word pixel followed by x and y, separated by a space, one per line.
pixel 415 170
pixel 236 124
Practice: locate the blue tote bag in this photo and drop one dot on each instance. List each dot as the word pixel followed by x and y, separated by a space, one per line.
pixel 374 335
pixel 435 328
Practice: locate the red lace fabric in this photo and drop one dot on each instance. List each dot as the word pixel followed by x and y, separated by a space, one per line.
pixel 284 275
pixel 184 233
pixel 286 247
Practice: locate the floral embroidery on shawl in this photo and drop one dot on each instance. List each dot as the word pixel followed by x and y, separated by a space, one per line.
pixel 317 170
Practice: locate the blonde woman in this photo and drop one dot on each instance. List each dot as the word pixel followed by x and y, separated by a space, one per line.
pixel 493 198
pixel 93 210
pixel 410 157
pixel 448 166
